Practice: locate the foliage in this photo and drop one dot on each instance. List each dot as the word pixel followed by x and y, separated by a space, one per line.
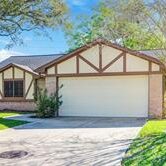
pixel 128 23
pixel 149 148
pixel 17 16
pixel 47 105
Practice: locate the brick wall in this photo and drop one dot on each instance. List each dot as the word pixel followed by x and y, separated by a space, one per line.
pixel 51 84
pixel 19 106
pixel 155 95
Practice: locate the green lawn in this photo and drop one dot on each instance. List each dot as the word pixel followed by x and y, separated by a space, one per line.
pixel 149 149
pixel 6 123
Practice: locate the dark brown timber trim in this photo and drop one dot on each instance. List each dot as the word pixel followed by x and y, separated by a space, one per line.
pixel 150 66
pixel 1 94
pixel 103 42
pixel 24 83
pixel 3 85
pixel 163 90
pixel 16 100
pixel 124 62
pixel 56 69
pixel 132 52
pixel 57 90
pixel 35 87
pixel 113 61
pixel 13 65
pixel 100 58
pixel 149 95
pixel 89 63
pixel 13 72
pixel 29 88
pixel 77 64
pixel 104 74
pixel 11 79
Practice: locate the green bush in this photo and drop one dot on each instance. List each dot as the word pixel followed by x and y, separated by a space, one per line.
pixel 47 106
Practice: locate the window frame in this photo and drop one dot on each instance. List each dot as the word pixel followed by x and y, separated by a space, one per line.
pixel 12 80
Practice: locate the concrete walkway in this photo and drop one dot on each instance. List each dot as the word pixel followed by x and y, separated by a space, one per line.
pixel 70 141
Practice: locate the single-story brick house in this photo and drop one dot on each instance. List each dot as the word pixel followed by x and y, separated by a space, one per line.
pixel 99 79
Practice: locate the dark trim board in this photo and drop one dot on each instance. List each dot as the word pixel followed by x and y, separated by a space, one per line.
pixel 102 74
pixel 113 61
pixel 30 85
pixel 17 100
pixel 100 70
pixel 89 63
pixel 57 87
pixel 25 93
pixel 163 93
pixel 11 65
pixel 100 57
pixel 101 43
pixel 1 94
pixel 77 65
pixel 124 62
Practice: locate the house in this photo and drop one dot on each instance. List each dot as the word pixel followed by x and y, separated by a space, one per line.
pixel 99 79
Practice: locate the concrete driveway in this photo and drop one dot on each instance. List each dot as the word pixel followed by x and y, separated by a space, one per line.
pixel 70 141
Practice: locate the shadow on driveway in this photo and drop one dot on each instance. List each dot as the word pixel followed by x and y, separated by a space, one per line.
pixel 79 122
pixel 65 141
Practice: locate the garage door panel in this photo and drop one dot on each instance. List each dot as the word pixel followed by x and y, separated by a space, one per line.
pixel 119 96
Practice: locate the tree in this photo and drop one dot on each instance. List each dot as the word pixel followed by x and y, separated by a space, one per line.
pixel 130 23
pixel 17 16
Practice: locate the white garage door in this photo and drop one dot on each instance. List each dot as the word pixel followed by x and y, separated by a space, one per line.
pixel 113 96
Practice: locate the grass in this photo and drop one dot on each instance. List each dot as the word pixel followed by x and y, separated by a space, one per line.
pixel 153 127
pixel 8 123
pixel 6 114
pixel 149 149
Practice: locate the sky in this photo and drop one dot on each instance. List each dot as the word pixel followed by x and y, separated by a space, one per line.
pixel 40 45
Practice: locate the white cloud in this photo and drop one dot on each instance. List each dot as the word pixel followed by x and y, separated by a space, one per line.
pixel 4 54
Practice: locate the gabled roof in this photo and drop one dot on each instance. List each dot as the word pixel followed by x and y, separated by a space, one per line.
pixel 104 42
pixel 22 67
pixel 32 61
pixel 38 63
pixel 156 53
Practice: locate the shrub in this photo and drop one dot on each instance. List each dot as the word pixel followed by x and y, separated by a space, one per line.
pixel 47 106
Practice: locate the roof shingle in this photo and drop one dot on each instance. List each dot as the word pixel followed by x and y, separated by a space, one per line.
pixel 156 53
pixel 32 61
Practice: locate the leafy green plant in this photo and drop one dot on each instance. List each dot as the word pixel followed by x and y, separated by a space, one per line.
pixel 47 106
pixel 54 102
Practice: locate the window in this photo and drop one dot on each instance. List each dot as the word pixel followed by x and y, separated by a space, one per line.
pixel 8 88
pixel 13 88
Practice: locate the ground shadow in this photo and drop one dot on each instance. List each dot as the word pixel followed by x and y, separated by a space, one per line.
pixel 8 123
pixel 80 122
pixel 150 150
pixel 74 152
